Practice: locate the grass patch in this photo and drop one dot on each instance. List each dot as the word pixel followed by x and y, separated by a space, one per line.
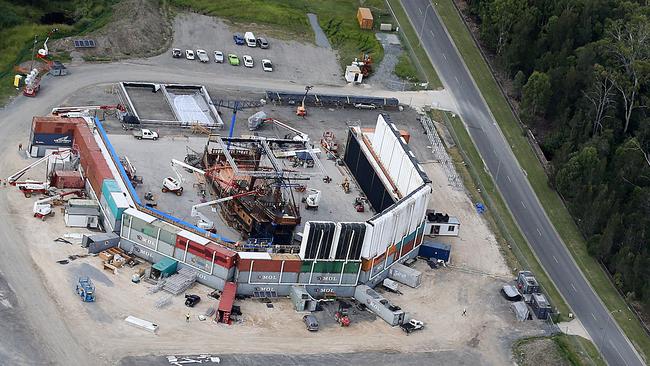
pixel 550 200
pixel 558 349
pixel 337 18
pixel 410 40
pixel 405 70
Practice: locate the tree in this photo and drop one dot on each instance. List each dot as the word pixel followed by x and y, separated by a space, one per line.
pixel 536 94
pixel 518 83
pixel 501 15
pixel 628 44
pixel 600 95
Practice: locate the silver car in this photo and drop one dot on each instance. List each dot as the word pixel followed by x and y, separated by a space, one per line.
pixel 218 57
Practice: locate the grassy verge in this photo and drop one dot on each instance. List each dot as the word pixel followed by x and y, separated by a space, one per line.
pixel 405 69
pixel 337 18
pixel 573 350
pixel 550 200
pixel 409 37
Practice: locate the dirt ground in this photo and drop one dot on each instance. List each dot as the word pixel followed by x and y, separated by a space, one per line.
pixel 137 28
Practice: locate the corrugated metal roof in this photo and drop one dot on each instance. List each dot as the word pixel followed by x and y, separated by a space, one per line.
pixel 140 215
pixel 254 255
pixel 193 237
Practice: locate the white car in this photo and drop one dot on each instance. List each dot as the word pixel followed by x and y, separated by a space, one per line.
pixel 218 56
pixel 189 54
pixel 248 61
pixel 202 55
pixel 267 65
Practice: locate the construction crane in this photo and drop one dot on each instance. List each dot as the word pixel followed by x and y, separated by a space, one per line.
pixel 43 208
pixel 301 110
pixel 300 136
pixel 204 222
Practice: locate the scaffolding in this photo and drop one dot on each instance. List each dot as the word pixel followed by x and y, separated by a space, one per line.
pixel 440 154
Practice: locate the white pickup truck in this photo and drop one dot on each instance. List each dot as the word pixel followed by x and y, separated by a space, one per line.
pixel 146 134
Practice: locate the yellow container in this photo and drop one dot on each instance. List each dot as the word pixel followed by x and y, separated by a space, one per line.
pixel 17 80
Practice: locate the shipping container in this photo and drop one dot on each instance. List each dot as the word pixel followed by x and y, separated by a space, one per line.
pixel 440 251
pixel 376 303
pixel 409 276
pixel 317 278
pixel 67 179
pixel 364 16
pixel 540 306
pixel 52 139
pixel 330 291
pixel 99 242
pixel 267 277
pixel 109 186
pixel 226 302
pixel 405 135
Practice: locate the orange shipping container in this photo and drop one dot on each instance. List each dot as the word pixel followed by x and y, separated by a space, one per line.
pixel 405 135
pixel 364 16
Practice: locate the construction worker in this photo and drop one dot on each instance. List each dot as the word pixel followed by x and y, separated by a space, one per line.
pixel 464 311
pixel 187 317
pixel 20 146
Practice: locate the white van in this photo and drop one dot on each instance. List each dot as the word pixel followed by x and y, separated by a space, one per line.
pixel 251 41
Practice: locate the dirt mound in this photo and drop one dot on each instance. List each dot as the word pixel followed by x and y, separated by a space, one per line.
pixel 137 28
pixel 539 352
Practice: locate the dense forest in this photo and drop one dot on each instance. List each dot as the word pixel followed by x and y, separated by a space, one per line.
pixel 580 71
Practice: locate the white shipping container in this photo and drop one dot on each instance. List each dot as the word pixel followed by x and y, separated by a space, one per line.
pixel 406 275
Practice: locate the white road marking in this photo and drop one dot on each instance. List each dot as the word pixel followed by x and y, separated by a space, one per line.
pixel 432 34
pixel 593 316
pixel 6 303
pixel 539 232
pixel 617 351
pixel 574 288
pixel 556 260
pixel 420 11
pixel 456 77
pixel 522 203
pixel 507 176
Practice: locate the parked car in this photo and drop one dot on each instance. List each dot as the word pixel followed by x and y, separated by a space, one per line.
pixel 191 300
pixel 248 61
pixel 202 55
pixel 239 39
pixel 177 53
pixel 146 134
pixel 262 42
pixel 189 54
pixel 267 65
pixel 233 59
pixel 218 56
pixel 251 41
pixel 310 322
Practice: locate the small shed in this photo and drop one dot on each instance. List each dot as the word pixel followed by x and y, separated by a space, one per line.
pixel 364 16
pixel 100 242
pixel 540 306
pixel 353 74
pixel 82 216
pixel 301 299
pixel 164 268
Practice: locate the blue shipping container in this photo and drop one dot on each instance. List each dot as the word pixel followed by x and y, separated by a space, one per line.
pixel 435 250
pixel 52 139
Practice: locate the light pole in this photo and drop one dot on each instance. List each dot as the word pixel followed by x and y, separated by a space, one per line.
pixel 426 11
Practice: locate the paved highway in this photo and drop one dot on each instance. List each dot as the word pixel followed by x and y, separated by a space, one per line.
pixel 514 187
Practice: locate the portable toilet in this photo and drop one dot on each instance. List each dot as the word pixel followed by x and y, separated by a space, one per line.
pixel 18 80
pixel 164 268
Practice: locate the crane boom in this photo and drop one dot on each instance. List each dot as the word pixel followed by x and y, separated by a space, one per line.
pixel 204 221
pixel 14 177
